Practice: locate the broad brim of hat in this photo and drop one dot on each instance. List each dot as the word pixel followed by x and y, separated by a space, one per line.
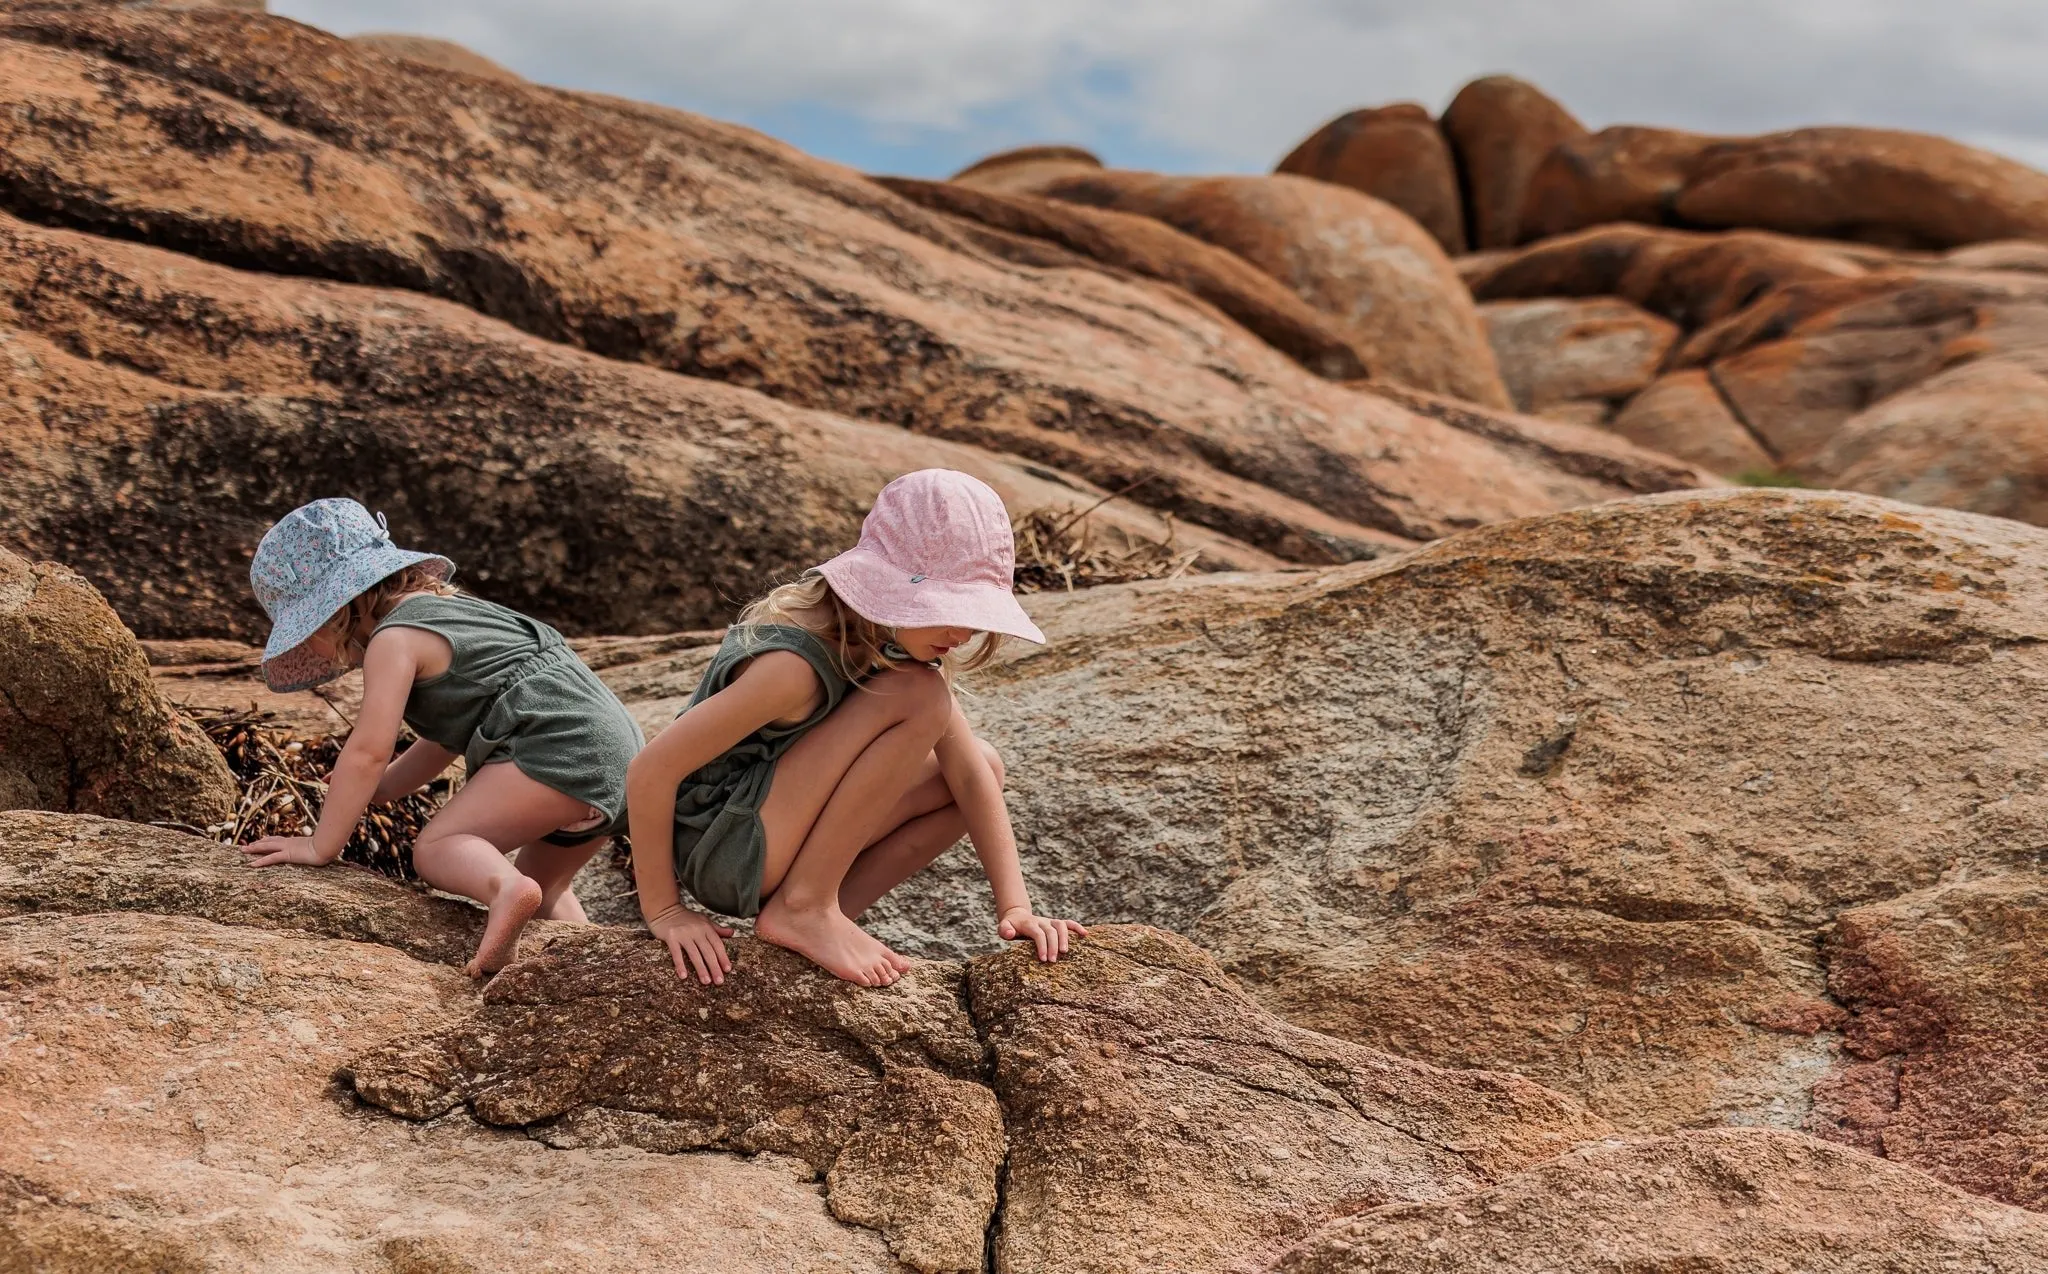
pixel 287 663
pixel 882 593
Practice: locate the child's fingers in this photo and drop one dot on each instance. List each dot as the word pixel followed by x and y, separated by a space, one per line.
pixel 675 952
pixel 713 952
pixel 725 931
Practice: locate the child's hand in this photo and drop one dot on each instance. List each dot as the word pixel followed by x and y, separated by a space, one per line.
pixel 1049 936
pixel 272 850
pixel 690 934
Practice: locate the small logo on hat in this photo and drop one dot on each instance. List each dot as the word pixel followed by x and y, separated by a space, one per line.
pixel 917 579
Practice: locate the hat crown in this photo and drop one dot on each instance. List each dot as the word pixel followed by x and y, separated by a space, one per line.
pixel 940 524
pixel 306 545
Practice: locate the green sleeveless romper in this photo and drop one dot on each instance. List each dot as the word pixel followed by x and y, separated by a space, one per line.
pixel 515 692
pixel 720 845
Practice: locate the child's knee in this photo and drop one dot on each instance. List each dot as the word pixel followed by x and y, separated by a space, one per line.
pixel 921 694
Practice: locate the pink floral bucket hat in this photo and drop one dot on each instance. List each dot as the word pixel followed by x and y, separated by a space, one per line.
pixel 316 560
pixel 936 551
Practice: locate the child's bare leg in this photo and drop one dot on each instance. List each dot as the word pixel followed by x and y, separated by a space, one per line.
pixel 925 824
pixel 832 792
pixel 554 867
pixel 462 851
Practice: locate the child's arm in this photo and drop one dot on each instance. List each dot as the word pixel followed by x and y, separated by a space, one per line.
pixel 980 798
pixel 415 767
pixel 389 666
pixel 773 686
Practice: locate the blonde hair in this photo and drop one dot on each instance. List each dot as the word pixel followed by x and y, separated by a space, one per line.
pixel 859 645
pixel 352 625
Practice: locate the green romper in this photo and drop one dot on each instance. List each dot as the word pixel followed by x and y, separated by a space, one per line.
pixel 720 845
pixel 515 692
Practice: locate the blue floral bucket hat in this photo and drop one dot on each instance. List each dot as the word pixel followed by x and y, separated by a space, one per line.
pixel 316 560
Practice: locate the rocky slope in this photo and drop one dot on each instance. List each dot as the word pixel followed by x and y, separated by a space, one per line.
pixel 1620 799
pixel 258 145
pixel 235 1074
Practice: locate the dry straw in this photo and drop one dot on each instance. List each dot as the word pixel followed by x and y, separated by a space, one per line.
pixel 283 783
pixel 1061 549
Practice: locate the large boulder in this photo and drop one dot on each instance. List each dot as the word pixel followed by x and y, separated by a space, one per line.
pixel 1252 298
pixel 1869 185
pixel 266 146
pixel 1576 359
pixel 1728 1200
pixel 1024 168
pixel 1348 254
pixel 166 410
pixel 1684 414
pixel 1397 155
pixel 1501 129
pixel 1568 797
pixel 82 726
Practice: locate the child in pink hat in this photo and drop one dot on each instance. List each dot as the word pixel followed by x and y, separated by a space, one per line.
pixel 823 760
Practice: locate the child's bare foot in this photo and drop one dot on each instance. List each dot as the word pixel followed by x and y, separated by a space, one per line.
pixel 829 940
pixel 517 901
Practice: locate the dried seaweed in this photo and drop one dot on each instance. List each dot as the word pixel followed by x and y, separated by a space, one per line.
pixel 283 782
pixel 1061 549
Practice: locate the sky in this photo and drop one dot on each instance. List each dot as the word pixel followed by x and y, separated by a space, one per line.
pixel 924 87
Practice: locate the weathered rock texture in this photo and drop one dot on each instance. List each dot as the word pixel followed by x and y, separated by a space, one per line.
pixel 82 727
pixel 1734 1199
pixel 1348 254
pixel 1869 185
pixel 1251 297
pixel 1024 168
pixel 1501 129
pixel 596 1042
pixel 1159 1120
pixel 1945 1038
pixel 167 1089
pixel 162 411
pixel 1396 155
pixel 1576 359
pixel 444 54
pixel 1908 375
pixel 260 144
pixel 1570 797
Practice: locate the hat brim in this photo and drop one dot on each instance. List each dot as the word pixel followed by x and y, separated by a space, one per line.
pixel 882 593
pixel 287 663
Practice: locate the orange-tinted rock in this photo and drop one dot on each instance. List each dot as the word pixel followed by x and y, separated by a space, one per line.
pixel 1623 173
pixel 1126 241
pixel 1683 415
pixel 1797 379
pixel 1349 255
pixel 1026 168
pixel 1158 1119
pixel 2027 255
pixel 82 727
pixel 1570 797
pixel 1693 279
pixel 266 145
pixel 161 411
pixel 1560 351
pixel 1397 155
pixel 1727 1199
pixel 1950 1053
pixel 1501 129
pixel 1871 185
pixel 445 54
pixel 1974 437
pixel 1895 189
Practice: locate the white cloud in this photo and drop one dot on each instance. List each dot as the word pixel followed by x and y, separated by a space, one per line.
pixel 1234 83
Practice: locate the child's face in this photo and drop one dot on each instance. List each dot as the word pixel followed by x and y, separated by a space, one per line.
pixel 927 644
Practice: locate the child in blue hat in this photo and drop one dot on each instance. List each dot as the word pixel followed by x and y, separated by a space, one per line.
pixel 544 742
